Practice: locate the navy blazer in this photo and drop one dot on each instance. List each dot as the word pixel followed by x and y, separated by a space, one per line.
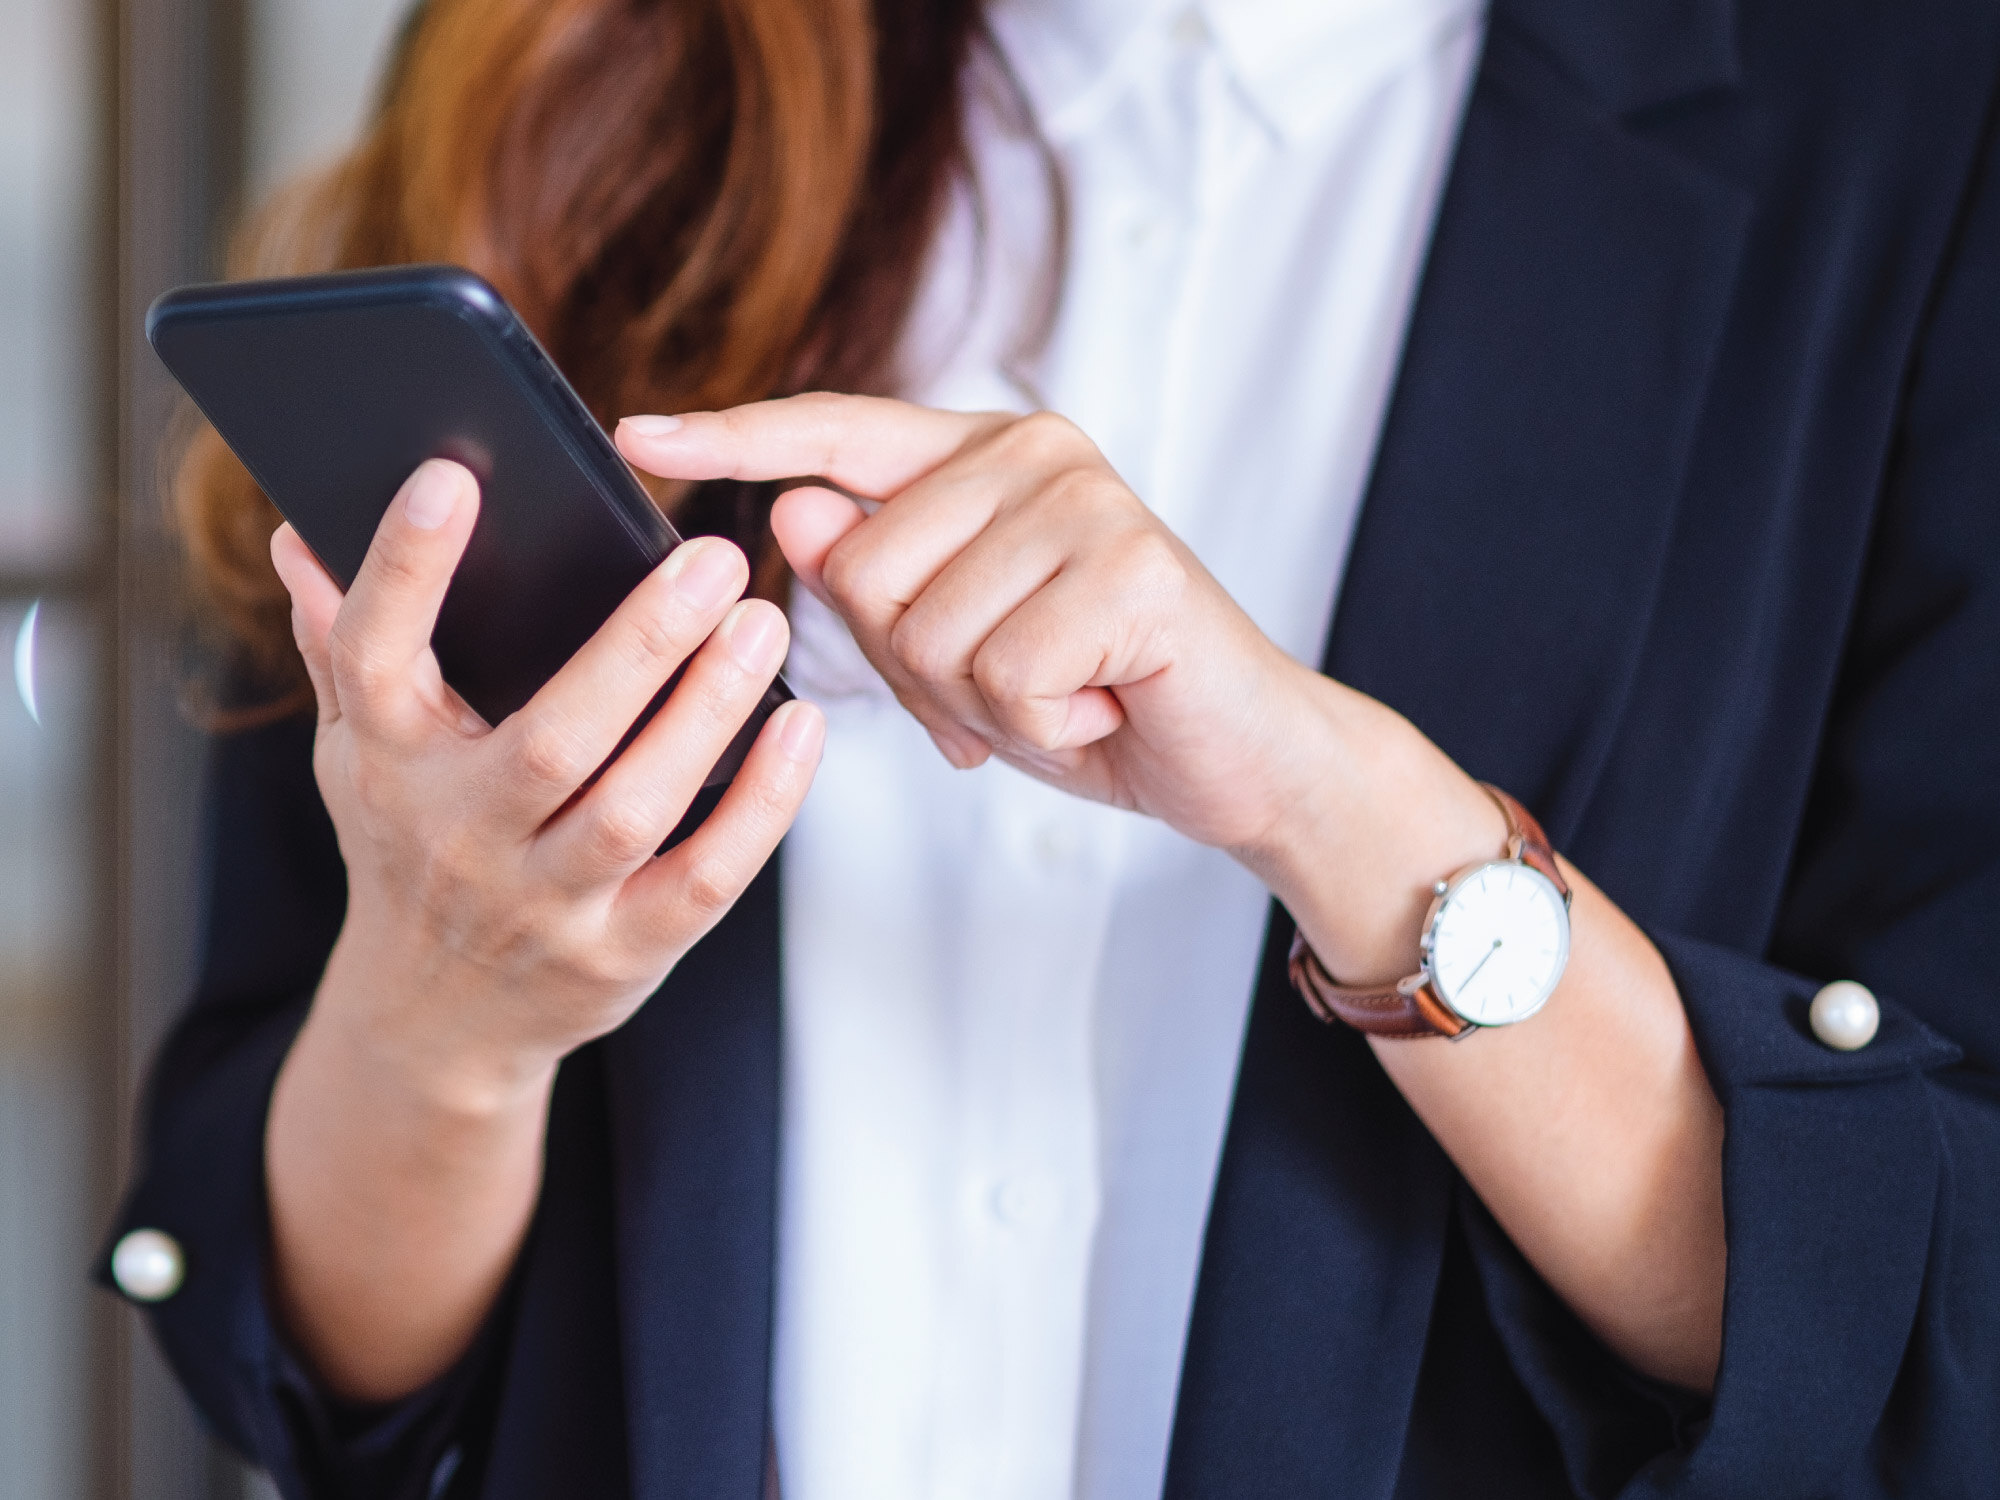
pixel 1684 528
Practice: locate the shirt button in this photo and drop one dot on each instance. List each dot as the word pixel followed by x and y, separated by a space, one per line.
pixel 148 1265
pixel 1057 846
pixel 1190 27
pixel 1024 1202
pixel 1845 1015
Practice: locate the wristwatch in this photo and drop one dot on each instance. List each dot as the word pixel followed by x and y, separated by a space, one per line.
pixel 1495 943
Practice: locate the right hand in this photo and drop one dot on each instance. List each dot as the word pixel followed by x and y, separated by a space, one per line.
pixel 500 913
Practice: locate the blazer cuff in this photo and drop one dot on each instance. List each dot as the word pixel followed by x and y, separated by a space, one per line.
pixel 203 1185
pixel 1831 1177
pixel 1831 1172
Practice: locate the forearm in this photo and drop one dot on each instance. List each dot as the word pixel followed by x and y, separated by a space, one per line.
pixel 1593 1136
pixel 1590 1131
pixel 398 1202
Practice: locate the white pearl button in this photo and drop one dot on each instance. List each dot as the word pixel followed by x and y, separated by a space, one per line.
pixel 1845 1015
pixel 1190 27
pixel 148 1265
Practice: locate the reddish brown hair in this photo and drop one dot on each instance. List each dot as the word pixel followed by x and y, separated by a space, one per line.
pixel 693 203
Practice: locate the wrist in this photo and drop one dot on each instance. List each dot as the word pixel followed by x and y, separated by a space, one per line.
pixel 398 1031
pixel 1375 814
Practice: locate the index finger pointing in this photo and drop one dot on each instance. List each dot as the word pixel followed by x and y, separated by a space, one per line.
pixel 869 445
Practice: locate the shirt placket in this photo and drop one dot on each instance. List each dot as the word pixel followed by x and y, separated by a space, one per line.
pixel 1039 890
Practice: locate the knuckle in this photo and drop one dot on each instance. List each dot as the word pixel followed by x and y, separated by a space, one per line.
pixel 837 572
pixel 853 574
pixel 1046 434
pixel 768 803
pixel 1007 681
pixel 1080 489
pixel 1004 678
pixel 576 943
pixel 923 650
pixel 355 667
pixel 821 411
pixel 548 752
pixel 397 568
pixel 709 884
pixel 1147 564
pixel 717 697
pixel 623 832
pixel 654 642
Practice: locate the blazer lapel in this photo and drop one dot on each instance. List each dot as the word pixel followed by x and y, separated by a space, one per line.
pixel 1497 593
pixel 1504 566
pixel 693 1085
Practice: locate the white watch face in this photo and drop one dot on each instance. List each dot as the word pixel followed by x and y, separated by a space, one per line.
pixel 1499 943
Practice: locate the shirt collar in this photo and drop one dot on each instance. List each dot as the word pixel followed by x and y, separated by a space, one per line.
pixel 1070 54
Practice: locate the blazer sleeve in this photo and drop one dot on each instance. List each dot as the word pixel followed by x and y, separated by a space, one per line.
pixel 1861 1339
pixel 276 896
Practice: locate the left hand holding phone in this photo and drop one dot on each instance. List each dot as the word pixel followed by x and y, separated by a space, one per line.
pixel 504 908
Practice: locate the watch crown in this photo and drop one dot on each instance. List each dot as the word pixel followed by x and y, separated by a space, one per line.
pixel 1441 887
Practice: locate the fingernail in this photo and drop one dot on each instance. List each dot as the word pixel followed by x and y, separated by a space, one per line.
pixel 751 634
pixel 431 496
pixel 801 731
pixel 704 574
pixel 964 750
pixel 653 426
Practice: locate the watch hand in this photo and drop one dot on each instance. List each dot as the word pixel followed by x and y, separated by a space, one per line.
pixel 1466 983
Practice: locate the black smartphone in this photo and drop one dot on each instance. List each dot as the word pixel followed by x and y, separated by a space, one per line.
pixel 332 389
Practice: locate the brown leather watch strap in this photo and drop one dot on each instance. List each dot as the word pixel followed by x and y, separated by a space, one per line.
pixel 1526 841
pixel 1409 1008
pixel 1406 1009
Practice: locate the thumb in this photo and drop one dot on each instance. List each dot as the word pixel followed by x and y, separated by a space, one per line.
pixel 807 522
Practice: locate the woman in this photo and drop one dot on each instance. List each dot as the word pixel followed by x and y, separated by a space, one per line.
pixel 1618 373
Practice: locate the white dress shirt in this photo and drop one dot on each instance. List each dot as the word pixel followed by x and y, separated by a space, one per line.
pixel 1013 1018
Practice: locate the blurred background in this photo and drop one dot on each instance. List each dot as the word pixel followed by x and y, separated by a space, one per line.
pixel 132 132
